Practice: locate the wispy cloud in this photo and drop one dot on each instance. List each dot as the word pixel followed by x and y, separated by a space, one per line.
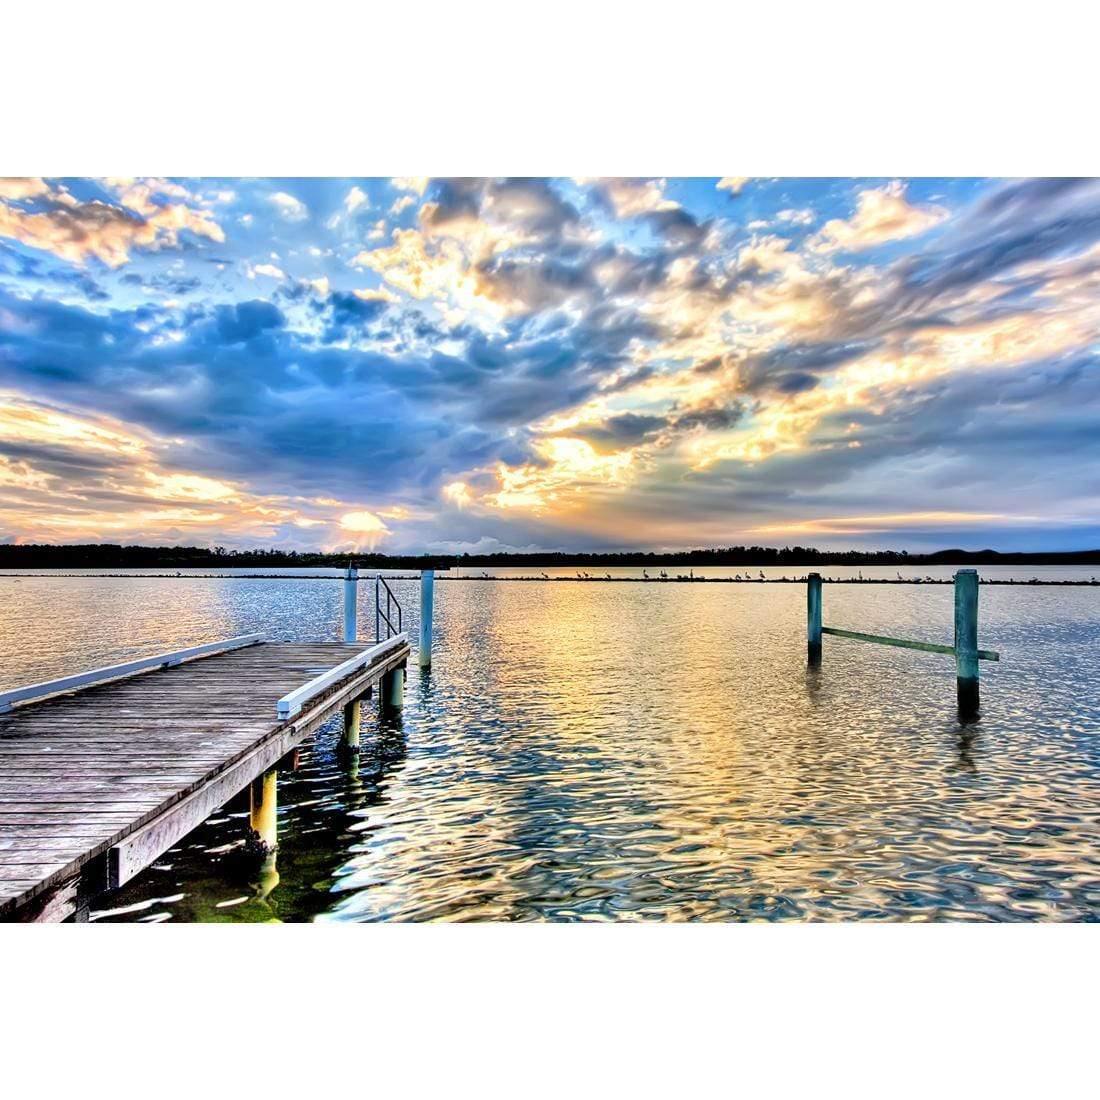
pixel 291 208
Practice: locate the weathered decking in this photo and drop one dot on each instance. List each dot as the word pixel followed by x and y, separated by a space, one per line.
pixel 97 783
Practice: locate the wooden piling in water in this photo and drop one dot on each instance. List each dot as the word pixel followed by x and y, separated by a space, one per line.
pixel 813 619
pixel 353 716
pixel 392 691
pixel 966 642
pixel 263 811
pixel 427 589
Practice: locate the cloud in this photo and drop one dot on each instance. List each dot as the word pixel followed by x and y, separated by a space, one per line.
pixel 882 214
pixel 864 525
pixel 410 183
pixel 128 488
pixel 291 208
pixel 533 369
pixel 50 218
pixel 355 199
pixel 363 523
pixel 270 270
pixel 633 197
pixel 732 184
pixel 19 190
pixel 458 493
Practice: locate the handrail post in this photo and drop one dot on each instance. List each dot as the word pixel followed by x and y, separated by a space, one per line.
pixel 966 642
pixel 813 619
pixel 351 591
pixel 427 587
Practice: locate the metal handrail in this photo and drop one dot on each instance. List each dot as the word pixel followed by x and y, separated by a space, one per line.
pixel 386 616
pixel 290 705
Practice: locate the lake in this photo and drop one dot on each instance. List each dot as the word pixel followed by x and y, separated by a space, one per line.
pixel 660 752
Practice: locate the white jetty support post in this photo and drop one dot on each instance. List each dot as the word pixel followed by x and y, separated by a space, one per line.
pixel 427 594
pixel 966 641
pixel 351 593
pixel 392 695
pixel 813 619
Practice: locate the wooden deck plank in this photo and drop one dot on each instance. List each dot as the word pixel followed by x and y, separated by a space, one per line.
pixel 127 768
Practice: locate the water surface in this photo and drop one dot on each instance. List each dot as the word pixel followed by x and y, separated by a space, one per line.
pixel 638 752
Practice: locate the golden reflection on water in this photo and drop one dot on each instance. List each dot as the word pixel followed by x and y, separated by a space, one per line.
pixel 647 752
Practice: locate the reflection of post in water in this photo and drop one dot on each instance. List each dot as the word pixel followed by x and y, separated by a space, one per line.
pixel 967 738
pixel 814 683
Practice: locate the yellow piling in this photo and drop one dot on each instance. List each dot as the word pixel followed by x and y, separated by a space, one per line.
pixel 262 815
pixel 352 722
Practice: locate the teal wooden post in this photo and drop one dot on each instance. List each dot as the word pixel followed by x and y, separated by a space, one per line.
pixel 966 641
pixel 427 587
pixel 813 619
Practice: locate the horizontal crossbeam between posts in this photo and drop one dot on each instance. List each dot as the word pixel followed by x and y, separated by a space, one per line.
pixel 904 643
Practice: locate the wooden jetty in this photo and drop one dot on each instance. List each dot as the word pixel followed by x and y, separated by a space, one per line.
pixel 101 772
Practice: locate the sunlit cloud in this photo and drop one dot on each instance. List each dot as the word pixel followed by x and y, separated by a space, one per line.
pixel 355 199
pixel 732 184
pixel 458 493
pixel 865 525
pixel 631 197
pixel 127 489
pixel 882 214
pixel 269 270
pixel 410 183
pixel 51 219
pixel 363 523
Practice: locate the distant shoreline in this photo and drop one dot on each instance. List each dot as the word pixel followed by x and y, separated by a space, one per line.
pixel 1030 583
pixel 111 556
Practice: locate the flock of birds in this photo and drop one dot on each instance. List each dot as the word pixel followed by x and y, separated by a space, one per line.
pixel 747 576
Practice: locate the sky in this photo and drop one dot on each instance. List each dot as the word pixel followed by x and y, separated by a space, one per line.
pixel 424 365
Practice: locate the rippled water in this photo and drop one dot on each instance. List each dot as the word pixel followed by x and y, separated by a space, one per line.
pixel 642 752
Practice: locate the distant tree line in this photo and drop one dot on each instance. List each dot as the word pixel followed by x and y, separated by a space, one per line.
pixel 112 556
